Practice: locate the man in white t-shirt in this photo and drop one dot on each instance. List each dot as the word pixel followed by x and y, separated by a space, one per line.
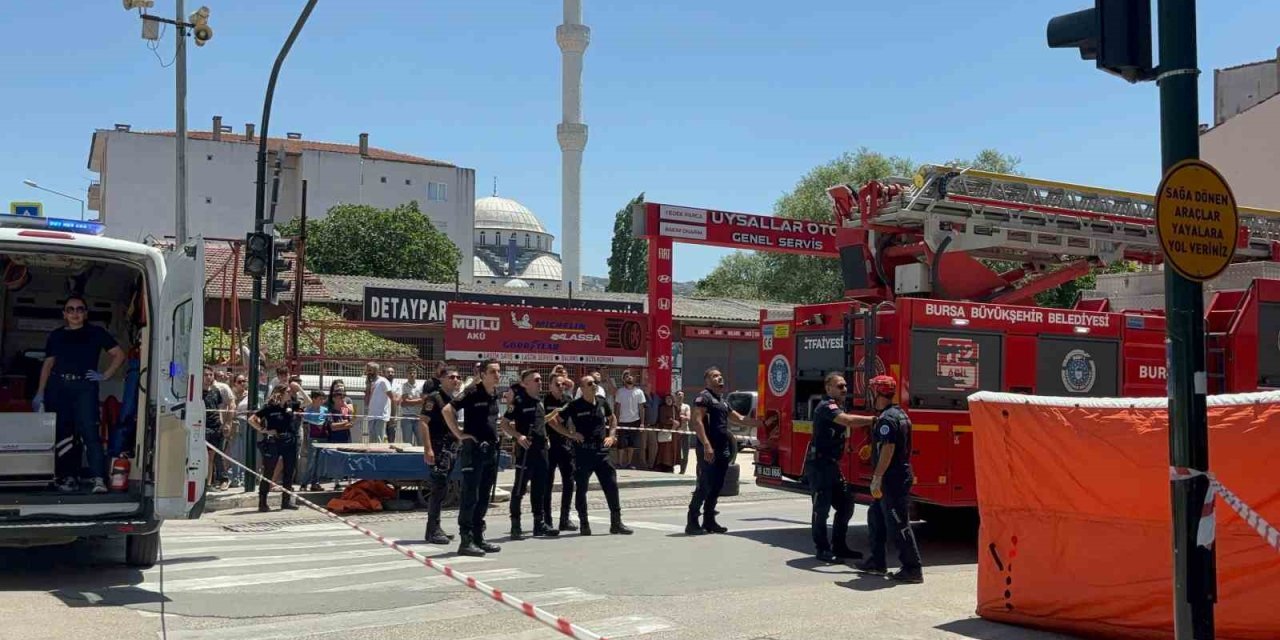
pixel 409 406
pixel 377 405
pixel 628 405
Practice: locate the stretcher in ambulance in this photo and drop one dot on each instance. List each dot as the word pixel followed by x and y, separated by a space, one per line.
pixel 151 414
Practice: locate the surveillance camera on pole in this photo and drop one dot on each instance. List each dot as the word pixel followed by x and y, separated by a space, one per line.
pixel 201 32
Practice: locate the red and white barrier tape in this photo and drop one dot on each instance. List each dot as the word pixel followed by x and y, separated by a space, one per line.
pixel 1205 534
pixel 393 418
pixel 560 624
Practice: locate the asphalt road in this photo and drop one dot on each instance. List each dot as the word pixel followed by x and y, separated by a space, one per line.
pixel 240 575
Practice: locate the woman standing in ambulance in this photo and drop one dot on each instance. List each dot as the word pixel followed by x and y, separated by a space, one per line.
pixel 70 374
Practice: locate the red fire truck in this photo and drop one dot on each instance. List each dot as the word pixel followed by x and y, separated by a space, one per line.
pixel 939 274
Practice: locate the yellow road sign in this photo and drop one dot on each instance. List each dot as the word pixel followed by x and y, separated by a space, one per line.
pixel 1197 220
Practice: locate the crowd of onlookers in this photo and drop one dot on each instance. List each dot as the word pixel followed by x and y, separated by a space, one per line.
pixel 390 414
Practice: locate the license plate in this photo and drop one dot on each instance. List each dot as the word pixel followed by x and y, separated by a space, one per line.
pixel 769 472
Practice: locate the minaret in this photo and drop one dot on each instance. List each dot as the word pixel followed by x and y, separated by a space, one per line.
pixel 573 38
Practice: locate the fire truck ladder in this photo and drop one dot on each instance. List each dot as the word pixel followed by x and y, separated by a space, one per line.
pixel 1005 217
pixel 870 342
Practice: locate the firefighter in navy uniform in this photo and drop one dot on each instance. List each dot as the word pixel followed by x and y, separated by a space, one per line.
pixel 822 471
pixel 477 455
pixel 532 464
pixel 595 430
pixel 891 483
pixel 440 449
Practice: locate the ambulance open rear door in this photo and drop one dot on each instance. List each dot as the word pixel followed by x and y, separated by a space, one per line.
pixel 181 459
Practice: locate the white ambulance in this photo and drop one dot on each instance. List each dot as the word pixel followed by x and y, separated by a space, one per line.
pixel 152 413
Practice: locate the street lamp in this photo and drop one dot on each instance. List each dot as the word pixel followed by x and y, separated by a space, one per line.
pixel 33 185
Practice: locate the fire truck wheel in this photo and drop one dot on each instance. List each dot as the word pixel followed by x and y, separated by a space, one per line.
pixel 142 550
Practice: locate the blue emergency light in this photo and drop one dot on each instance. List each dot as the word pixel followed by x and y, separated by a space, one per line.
pixel 53 224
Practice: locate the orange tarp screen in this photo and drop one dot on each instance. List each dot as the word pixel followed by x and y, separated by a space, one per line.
pixel 1075 503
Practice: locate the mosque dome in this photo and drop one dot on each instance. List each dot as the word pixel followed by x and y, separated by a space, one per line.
pixel 501 213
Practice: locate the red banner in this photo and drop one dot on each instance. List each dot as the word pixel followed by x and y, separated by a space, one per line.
pixel 721 333
pixel 740 230
pixel 515 334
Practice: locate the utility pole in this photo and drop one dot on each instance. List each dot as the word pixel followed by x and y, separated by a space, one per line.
pixel 180 117
pixel 259 225
pixel 1117 34
pixel 202 33
pixel 1195 588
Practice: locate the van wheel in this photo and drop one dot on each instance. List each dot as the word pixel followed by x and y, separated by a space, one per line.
pixel 142 550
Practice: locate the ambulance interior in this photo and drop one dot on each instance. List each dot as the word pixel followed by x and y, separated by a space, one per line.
pixel 34 289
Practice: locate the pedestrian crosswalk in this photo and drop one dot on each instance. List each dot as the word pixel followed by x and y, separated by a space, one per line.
pixel 343 582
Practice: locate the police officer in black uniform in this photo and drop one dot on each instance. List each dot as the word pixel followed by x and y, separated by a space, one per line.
pixel 532 463
pixel 440 448
pixel 560 455
pixel 822 471
pixel 279 444
pixel 595 431
pixel 891 486
pixel 715 448
pixel 478 455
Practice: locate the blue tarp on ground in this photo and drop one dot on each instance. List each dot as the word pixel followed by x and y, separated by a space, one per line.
pixel 380 465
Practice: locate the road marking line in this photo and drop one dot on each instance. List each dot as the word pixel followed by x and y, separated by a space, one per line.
pixel 275 577
pixel 563 595
pixel 673 528
pixel 656 526
pixel 434 582
pixel 257 561
pixel 620 627
pixel 258 537
pixel 202 550
pixel 292 627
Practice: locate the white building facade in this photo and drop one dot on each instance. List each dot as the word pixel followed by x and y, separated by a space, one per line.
pixel 134 197
pixel 1244 143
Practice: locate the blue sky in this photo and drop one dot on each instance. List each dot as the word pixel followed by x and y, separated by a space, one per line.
pixel 716 103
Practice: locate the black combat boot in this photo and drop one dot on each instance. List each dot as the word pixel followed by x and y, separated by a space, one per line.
pixel 262 502
pixel 435 536
pixel 545 530
pixel 468 547
pixel 691 526
pixel 710 525
pixel 615 525
pixel 286 501
pixel 487 547
pixel 566 524
pixel 584 525
pixel 517 533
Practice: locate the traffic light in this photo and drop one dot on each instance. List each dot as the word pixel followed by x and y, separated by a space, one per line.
pixel 280 267
pixel 1115 33
pixel 257 254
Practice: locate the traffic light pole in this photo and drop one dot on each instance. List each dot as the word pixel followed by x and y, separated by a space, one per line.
pixel 1195 588
pixel 259 224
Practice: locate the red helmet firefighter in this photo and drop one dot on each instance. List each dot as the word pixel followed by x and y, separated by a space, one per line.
pixel 884 386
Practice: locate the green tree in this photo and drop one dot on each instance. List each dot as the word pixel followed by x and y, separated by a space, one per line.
pixel 738 276
pixel 628 257
pixel 359 240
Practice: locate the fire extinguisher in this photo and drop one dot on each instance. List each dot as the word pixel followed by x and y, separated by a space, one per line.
pixel 120 473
